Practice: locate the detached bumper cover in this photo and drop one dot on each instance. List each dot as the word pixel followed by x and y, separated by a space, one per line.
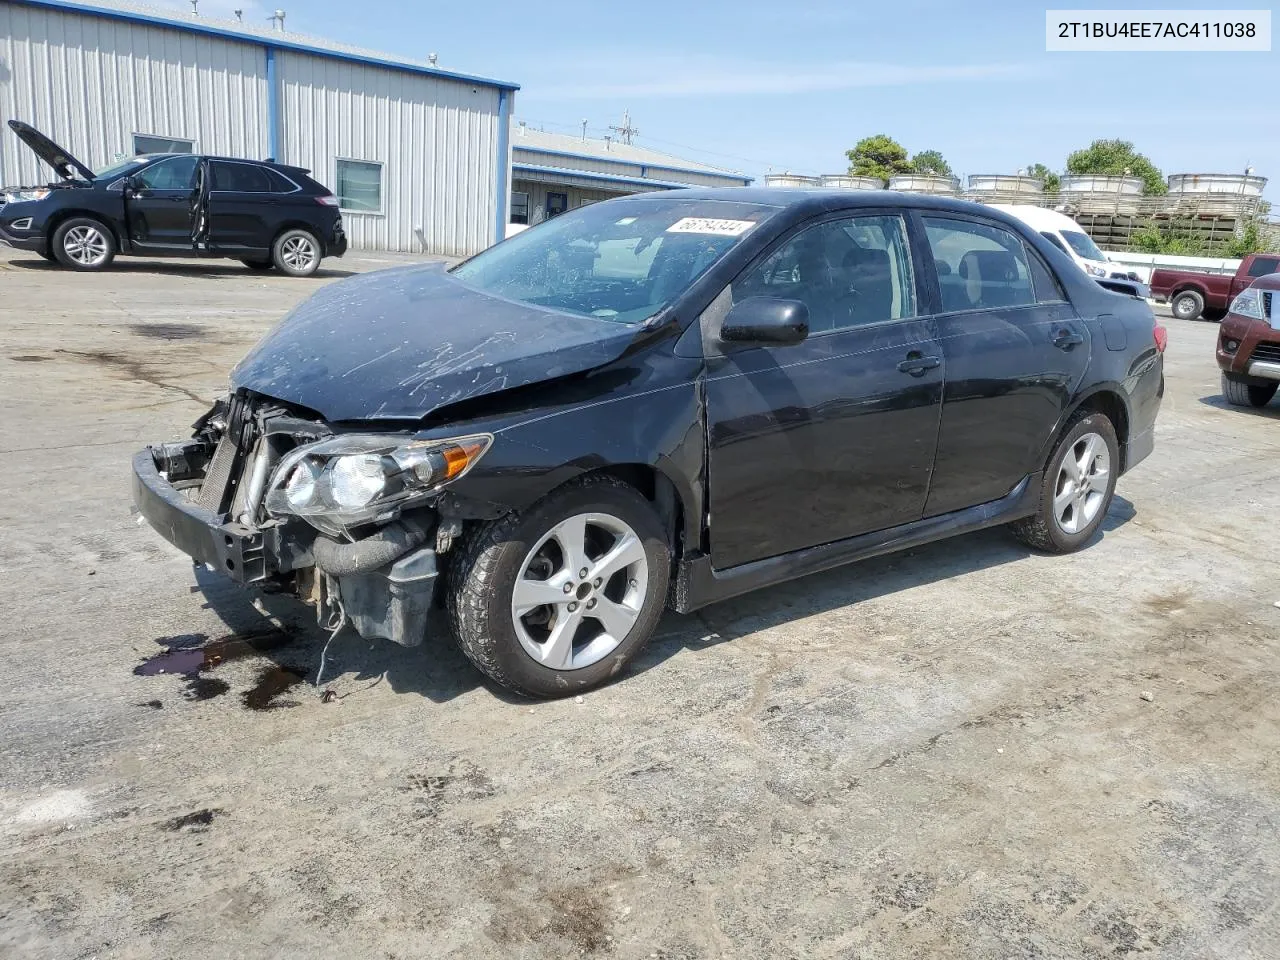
pixel 231 548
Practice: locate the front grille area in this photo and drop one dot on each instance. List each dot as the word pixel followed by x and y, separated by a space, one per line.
pixel 1270 352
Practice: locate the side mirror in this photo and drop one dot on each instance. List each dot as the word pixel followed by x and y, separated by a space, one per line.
pixel 766 320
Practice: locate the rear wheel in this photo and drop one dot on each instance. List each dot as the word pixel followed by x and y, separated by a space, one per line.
pixel 83 243
pixel 296 252
pixel 558 599
pixel 1213 314
pixel 1187 305
pixel 1076 489
pixel 1240 394
pixel 262 265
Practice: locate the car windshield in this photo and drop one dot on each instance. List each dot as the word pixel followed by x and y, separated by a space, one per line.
pixel 1083 245
pixel 118 169
pixel 621 260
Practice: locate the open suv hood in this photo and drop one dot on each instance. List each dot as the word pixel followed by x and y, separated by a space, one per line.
pixel 50 152
pixel 398 344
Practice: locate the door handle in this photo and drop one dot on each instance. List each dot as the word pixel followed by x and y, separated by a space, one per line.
pixel 917 363
pixel 1066 339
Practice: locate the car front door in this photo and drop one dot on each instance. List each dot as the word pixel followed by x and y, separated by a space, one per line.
pixel 1015 354
pixel 834 436
pixel 240 205
pixel 158 203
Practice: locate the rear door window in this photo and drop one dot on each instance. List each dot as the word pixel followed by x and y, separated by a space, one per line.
pixel 1263 266
pixel 238 177
pixel 980 266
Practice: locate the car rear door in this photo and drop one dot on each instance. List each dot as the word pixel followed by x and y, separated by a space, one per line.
pixel 158 203
pixel 241 207
pixel 832 437
pixel 1015 353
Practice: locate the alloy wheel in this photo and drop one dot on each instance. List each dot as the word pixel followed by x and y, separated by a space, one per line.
pixel 86 245
pixel 1081 487
pixel 579 591
pixel 298 252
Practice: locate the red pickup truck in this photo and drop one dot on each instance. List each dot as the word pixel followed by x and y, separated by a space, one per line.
pixel 1192 294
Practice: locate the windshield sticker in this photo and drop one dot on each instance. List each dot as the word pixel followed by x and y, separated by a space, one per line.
pixel 710 227
pixel 626 221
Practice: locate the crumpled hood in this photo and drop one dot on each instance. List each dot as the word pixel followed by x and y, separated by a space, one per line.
pixel 398 344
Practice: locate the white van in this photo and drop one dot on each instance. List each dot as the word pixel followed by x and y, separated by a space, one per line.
pixel 1065 234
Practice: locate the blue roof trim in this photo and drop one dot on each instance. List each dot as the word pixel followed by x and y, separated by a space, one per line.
pixel 599 177
pixel 642 164
pixel 192 26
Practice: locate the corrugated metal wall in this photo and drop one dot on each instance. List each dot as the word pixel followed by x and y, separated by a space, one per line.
pixel 538 196
pixel 436 138
pixel 91 83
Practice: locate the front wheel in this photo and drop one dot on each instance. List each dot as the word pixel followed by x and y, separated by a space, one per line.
pixel 1245 394
pixel 296 253
pixel 558 599
pixel 1076 489
pixel 83 243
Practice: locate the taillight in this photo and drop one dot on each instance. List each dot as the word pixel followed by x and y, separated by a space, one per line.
pixel 328 200
pixel 1162 337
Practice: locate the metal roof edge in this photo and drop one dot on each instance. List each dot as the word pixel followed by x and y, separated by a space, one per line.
pixel 129 16
pixel 603 177
pixel 704 171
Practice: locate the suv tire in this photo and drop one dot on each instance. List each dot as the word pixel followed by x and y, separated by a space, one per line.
pixel 1240 394
pixel 296 253
pixel 83 243
pixel 1074 500
pixel 571 643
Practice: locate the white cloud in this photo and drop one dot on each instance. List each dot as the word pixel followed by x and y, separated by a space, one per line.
pixel 693 76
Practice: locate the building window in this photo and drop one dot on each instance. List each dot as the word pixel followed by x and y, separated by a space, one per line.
pixel 557 203
pixel 145 143
pixel 359 186
pixel 519 207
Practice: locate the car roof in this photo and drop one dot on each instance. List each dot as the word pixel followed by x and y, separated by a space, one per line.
pixel 804 199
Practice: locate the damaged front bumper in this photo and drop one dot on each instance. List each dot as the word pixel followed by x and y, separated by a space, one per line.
pixel 385 589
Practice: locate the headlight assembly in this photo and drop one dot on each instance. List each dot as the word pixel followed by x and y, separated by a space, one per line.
pixel 1248 303
pixel 358 478
pixel 17 196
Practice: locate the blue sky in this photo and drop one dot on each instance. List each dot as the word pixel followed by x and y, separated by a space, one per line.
pixel 761 86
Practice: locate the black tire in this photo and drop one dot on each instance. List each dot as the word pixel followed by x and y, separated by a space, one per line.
pixel 1042 529
pixel 260 265
pixel 49 255
pixel 283 253
pixel 83 243
pixel 1213 314
pixel 482 577
pixel 1240 394
pixel 1187 305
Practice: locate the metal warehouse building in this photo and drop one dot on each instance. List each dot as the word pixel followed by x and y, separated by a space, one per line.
pixel 418 156
pixel 552 172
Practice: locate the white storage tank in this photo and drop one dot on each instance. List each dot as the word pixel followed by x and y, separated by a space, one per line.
pixel 790 180
pixel 1098 193
pixel 849 181
pixel 1214 194
pixel 1005 185
pixel 925 183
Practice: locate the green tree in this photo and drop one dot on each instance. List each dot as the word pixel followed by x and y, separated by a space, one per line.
pixel 1052 182
pixel 930 162
pixel 1117 158
pixel 878 156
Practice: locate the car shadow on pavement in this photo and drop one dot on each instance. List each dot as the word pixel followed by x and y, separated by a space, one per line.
pixel 1270 412
pixel 847 585
pixel 438 671
pixel 211 269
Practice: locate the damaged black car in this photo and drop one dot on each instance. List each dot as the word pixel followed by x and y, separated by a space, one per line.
pixel 660 401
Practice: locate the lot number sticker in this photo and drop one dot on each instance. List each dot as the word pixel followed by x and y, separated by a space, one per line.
pixel 710 227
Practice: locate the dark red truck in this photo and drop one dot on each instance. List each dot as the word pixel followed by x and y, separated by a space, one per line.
pixel 1192 294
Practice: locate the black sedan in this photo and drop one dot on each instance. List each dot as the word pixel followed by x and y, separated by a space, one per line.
pixel 662 400
pixel 172 205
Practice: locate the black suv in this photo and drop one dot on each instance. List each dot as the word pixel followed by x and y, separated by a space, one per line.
pixel 172 205
pixel 664 400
